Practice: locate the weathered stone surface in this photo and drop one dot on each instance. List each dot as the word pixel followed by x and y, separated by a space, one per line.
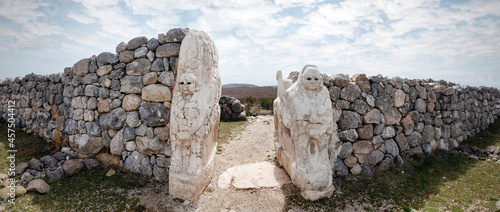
pixel 156 93
pixel 251 176
pixel 131 84
pixel 130 146
pixel 150 78
pixel 85 144
pixel 162 133
pixel 117 143
pixel 159 173
pixel 414 139
pixel 377 141
pixel 150 146
pixel 108 160
pixel 399 98
pixel 384 102
pixel 351 161
pixel 122 46
pixel 20 168
pixel 391 147
pixel 371 159
pixel 81 68
pixel 428 133
pixel 90 163
pixel 175 35
pixel 35 164
pixel 90 79
pixel 104 70
pixel 340 168
pixel 348 135
pixel 154 114
pixel 388 132
pixel 420 105
pixel 360 106
pixel 168 50
pixel 166 78
pixel 19 191
pixel 106 58
pixel 38 185
pixel 133 119
pixel 401 140
pixel 408 124
pixel 153 44
pixel 345 150
pixel 136 42
pixel 392 116
pixel 351 92
pixel 138 67
pixel 138 163
pixel 141 52
pixel 126 56
pixel 362 82
pixel 362 147
pixel 350 120
pixel 113 120
pixel 372 117
pixel 103 106
pixel 48 161
pixel 340 80
pixel 93 129
pixel 131 102
pixel 365 132
pixel 55 175
pixel 72 166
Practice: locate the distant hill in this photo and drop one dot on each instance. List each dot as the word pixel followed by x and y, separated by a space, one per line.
pixel 255 92
pixel 238 85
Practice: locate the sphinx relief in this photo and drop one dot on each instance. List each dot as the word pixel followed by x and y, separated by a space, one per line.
pixel 303 130
pixel 194 117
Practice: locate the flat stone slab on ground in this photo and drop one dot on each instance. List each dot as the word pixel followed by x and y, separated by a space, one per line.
pixel 252 176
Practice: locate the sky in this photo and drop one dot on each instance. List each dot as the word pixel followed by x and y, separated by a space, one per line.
pixel 454 40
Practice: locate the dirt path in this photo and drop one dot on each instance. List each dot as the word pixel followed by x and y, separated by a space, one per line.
pixel 254 144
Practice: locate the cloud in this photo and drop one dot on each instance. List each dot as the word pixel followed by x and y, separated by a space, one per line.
pixel 81 18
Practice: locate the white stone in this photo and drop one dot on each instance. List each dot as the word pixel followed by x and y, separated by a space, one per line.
pixel 194 117
pixel 252 176
pixel 116 144
pixel 304 118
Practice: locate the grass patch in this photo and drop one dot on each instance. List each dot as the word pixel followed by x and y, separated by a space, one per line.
pixel 228 130
pixel 489 137
pixel 89 190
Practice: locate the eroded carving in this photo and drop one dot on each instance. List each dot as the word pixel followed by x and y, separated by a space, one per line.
pixel 304 127
pixel 194 117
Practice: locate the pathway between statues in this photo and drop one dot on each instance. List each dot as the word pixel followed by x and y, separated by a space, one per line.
pixel 253 145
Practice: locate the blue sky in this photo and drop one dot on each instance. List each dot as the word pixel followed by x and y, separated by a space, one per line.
pixel 458 41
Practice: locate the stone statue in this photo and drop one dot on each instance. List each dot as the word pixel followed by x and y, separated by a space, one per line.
pixel 303 130
pixel 194 118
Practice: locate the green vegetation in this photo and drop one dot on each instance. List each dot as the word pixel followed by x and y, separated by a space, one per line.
pixel 89 190
pixel 266 103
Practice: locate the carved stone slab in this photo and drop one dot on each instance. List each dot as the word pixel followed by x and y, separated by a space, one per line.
pixel 194 117
pixel 303 130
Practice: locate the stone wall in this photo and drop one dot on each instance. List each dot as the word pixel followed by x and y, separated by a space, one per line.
pixel 382 119
pixel 231 109
pixel 113 106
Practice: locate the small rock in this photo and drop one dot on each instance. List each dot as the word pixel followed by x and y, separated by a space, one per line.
pixel 4 192
pixel 55 175
pixel 110 173
pixel 48 161
pixel 72 167
pixel 39 186
pixel 91 163
pixel 20 168
pixel 35 164
pixel 59 156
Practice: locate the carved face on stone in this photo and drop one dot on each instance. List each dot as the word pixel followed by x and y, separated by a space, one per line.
pixel 187 84
pixel 311 78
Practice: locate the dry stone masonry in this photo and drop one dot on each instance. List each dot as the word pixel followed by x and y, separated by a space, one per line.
pixel 231 109
pixel 114 107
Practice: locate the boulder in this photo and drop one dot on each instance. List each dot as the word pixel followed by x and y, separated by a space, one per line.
pixel 72 166
pixel 39 186
pixel 154 114
pixel 138 163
